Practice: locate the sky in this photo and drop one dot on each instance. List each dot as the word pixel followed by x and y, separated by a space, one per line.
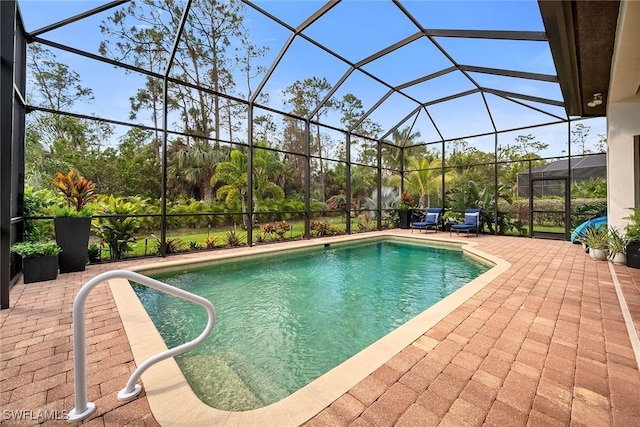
pixel 354 30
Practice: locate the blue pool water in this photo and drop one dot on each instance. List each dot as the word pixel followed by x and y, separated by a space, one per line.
pixel 284 320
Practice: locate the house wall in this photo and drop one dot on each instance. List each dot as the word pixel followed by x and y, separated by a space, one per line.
pixel 623 176
pixel 623 117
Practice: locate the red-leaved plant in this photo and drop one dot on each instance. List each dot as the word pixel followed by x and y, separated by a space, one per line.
pixel 76 190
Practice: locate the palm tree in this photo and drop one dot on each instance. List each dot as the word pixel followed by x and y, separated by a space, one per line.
pixel 394 157
pixel 197 164
pixel 266 169
pixel 424 178
pixel 401 138
pixel 362 180
pixel 233 175
pixel 476 196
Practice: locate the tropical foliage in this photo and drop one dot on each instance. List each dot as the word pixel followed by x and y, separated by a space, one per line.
pixel 119 231
pixel 76 191
pixel 227 176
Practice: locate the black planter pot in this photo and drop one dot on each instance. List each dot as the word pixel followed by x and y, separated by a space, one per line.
pixel 72 235
pixel 405 218
pixel 633 254
pixel 40 268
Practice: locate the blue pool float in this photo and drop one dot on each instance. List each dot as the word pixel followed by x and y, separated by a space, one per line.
pixel 592 222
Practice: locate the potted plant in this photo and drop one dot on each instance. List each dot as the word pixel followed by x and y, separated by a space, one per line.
pixel 617 246
pixel 39 260
pixel 632 230
pixel 451 217
pixel 73 221
pixel 596 238
pixel 405 209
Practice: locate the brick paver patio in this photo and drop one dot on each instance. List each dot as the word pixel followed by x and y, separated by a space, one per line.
pixel 544 344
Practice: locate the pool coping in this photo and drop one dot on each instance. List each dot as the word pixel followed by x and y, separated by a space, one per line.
pixel 173 402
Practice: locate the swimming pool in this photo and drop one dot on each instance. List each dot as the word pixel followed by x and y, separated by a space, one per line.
pixel 301 314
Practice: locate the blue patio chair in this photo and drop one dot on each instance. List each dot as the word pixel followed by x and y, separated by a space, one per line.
pixel 430 221
pixel 471 222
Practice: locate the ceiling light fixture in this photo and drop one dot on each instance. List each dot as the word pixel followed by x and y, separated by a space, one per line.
pixel 597 100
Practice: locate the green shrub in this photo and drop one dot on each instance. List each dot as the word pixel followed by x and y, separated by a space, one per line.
pixel 94 253
pixel 323 228
pixel 35 249
pixel 617 242
pixel 633 226
pixel 211 242
pixel 118 233
pixel 595 237
pixel 171 246
pixel 586 209
pixel 582 210
pixel 234 239
pixel 36 203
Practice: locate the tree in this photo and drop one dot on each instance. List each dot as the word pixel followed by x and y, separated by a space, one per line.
pixel 245 58
pixel 59 141
pixel 118 232
pixel 143 31
pixel 469 164
pixel 363 180
pixel 293 140
pixel 526 146
pixel 232 174
pixel 521 155
pixel 150 54
pixel 40 165
pixel 474 195
pixel 404 137
pixel 579 135
pixel 352 111
pixel 601 145
pixel 389 200
pixel 138 170
pixel 268 170
pixel 197 165
pixel 401 138
pixel 424 177
pixel 590 188
pixel 264 130
pixel 305 96
pixel 56 87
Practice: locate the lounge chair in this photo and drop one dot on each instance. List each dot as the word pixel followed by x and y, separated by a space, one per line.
pixel 430 221
pixel 471 222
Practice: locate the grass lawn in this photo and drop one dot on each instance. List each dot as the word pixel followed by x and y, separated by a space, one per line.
pixel 537 228
pixel 147 244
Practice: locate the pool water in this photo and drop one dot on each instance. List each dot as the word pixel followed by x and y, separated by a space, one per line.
pixel 284 320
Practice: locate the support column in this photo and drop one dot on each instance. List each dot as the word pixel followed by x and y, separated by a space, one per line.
pixel 8 16
pixel 623 119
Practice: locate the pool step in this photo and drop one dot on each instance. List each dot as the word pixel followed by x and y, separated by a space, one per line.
pixel 266 386
pixel 219 385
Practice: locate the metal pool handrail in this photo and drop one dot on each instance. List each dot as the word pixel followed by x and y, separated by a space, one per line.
pixel 83 408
